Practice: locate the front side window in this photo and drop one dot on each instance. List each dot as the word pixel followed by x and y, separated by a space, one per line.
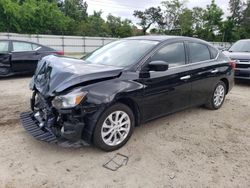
pixel 4 46
pixel 121 53
pixel 173 54
pixel 198 52
pixel 22 46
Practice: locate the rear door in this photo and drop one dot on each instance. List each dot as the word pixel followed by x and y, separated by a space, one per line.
pixel 168 91
pixel 24 57
pixel 204 71
pixel 4 57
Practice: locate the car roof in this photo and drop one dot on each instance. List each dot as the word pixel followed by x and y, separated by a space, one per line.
pixel 14 40
pixel 31 42
pixel 162 38
pixel 248 40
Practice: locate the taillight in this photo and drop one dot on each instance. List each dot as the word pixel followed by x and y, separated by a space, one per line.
pixel 60 52
pixel 232 64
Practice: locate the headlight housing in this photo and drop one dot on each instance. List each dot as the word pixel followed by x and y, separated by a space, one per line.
pixel 69 100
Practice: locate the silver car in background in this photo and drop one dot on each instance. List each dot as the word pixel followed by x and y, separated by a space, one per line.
pixel 240 52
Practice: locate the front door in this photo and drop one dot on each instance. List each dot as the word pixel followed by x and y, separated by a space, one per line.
pixel 4 57
pixel 168 91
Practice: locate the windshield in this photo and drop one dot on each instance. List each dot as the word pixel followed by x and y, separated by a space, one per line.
pixel 240 46
pixel 121 53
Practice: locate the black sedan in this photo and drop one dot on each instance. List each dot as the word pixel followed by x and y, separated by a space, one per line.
pixel 21 57
pixel 128 82
pixel 240 52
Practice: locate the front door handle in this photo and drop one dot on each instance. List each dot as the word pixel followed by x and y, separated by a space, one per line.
pixel 185 77
pixel 214 71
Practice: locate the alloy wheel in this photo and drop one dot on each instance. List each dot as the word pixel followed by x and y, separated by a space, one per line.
pixel 115 128
pixel 219 95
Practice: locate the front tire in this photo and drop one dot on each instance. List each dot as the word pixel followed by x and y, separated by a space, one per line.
pixel 114 127
pixel 217 98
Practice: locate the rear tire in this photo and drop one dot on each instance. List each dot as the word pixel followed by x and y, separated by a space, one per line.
pixel 114 127
pixel 217 98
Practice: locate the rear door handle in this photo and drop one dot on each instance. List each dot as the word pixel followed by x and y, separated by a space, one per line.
pixel 214 71
pixel 185 77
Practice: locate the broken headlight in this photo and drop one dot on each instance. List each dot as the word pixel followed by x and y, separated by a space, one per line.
pixel 69 100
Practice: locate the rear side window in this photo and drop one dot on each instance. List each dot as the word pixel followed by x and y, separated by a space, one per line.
pixel 173 54
pixel 198 52
pixel 4 46
pixel 22 46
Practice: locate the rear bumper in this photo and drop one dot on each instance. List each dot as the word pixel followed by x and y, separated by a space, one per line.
pixel 241 73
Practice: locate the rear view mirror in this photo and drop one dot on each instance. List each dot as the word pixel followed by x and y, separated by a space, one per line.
pixel 158 66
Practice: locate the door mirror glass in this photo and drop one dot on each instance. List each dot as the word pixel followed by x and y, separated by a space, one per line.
pixel 158 66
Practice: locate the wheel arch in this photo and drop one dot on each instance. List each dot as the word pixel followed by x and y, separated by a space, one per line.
pixel 133 106
pixel 226 82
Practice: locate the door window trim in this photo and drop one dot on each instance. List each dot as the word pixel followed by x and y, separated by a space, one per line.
pixel 197 63
pixel 200 62
pixel 145 60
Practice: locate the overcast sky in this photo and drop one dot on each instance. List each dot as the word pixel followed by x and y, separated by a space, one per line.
pixel 125 8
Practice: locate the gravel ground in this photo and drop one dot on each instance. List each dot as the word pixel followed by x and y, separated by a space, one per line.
pixel 192 148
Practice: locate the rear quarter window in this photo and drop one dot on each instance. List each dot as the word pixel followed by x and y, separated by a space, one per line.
pixel 35 46
pixel 198 52
pixel 214 52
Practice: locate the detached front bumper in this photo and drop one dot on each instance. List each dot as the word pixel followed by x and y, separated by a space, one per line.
pixel 32 126
pixel 70 135
pixel 46 134
pixel 67 126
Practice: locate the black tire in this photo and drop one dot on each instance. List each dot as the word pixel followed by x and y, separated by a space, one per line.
pixel 97 137
pixel 211 103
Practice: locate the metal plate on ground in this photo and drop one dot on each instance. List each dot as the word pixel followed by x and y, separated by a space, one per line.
pixel 116 162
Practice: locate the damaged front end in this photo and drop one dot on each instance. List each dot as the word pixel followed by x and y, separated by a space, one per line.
pixel 60 110
pixel 46 123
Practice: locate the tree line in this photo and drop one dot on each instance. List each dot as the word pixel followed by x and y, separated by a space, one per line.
pixel 209 23
pixel 70 17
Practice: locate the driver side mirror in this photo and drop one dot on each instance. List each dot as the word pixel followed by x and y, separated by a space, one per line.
pixel 158 66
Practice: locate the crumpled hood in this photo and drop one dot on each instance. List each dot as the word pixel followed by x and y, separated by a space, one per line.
pixel 55 74
pixel 238 55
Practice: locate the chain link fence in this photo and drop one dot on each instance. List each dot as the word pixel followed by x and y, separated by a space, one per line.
pixel 75 44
